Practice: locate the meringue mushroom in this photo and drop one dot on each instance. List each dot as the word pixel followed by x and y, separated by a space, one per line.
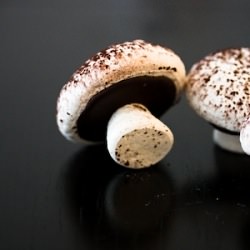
pixel 218 89
pixel 118 95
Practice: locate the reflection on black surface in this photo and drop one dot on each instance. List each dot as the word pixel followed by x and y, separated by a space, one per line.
pixel 233 175
pixel 118 208
pixel 246 234
pixel 212 212
pixel 233 186
pixel 138 202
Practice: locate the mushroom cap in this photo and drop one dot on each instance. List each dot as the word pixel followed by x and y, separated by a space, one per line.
pixel 245 136
pixel 218 88
pixel 135 71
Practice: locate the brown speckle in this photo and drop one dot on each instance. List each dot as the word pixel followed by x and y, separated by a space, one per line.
pixel 234 93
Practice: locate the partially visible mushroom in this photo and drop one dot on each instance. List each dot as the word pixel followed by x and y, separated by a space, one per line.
pixel 218 89
pixel 245 136
pixel 116 95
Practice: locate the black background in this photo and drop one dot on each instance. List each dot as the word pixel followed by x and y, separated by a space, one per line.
pixel 59 195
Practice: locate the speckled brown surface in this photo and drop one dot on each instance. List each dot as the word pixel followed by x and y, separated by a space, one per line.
pixel 137 139
pixel 108 67
pixel 218 87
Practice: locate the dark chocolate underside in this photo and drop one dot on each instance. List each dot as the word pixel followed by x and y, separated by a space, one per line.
pixel 226 131
pixel 155 93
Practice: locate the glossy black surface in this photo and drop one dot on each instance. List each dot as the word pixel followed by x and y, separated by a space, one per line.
pixel 59 195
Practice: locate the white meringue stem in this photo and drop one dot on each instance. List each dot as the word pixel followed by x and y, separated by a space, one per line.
pixel 227 141
pixel 136 138
pixel 245 136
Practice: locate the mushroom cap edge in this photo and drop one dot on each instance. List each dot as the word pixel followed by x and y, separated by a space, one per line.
pixel 108 67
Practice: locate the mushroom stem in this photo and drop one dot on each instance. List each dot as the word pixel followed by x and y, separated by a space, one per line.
pixel 227 141
pixel 136 138
pixel 245 136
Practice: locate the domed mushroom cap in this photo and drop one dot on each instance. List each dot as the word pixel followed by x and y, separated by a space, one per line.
pixel 131 72
pixel 218 88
